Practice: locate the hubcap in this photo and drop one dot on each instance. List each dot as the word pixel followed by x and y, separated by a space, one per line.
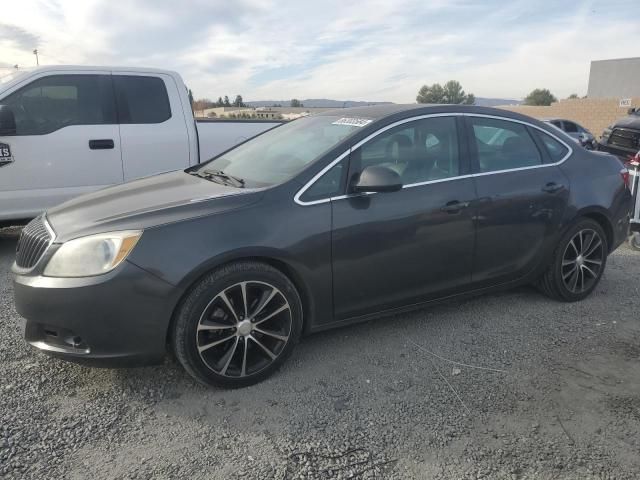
pixel 582 261
pixel 243 329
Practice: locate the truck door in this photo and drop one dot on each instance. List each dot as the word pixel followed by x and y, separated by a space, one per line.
pixel 153 131
pixel 67 142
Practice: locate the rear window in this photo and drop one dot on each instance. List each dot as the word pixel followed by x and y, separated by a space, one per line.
pixel 141 99
pixel 503 145
pixel 555 149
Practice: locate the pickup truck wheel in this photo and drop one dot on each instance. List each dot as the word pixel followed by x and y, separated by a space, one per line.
pixel 577 263
pixel 237 325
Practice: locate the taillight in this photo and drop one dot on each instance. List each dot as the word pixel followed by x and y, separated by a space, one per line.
pixel 624 173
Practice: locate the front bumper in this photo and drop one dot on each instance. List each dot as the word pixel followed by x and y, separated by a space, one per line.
pixel 117 319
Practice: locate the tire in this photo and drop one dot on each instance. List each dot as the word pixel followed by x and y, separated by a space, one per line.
pixel 584 244
pixel 634 241
pixel 237 325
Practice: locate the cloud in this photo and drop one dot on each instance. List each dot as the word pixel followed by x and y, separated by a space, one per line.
pixel 369 50
pixel 18 37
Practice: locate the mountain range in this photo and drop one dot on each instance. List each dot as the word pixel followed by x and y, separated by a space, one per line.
pixel 328 103
pixel 315 103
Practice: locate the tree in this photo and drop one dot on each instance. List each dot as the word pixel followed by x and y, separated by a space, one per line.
pixel 238 101
pixel 219 103
pixel 202 103
pixel 227 103
pixel 451 93
pixel 572 96
pixel 540 96
pixel 296 103
pixel 454 94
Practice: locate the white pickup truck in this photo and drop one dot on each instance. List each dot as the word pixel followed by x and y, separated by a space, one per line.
pixel 67 130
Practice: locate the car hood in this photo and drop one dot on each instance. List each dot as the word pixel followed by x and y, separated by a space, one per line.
pixel 632 121
pixel 145 203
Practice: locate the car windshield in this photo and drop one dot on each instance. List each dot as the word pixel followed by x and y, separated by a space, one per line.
pixel 281 153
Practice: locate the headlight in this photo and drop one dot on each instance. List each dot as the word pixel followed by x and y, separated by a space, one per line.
pixel 92 255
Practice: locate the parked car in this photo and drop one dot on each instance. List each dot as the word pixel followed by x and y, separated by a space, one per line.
pixel 576 131
pixel 69 130
pixel 325 221
pixel 622 138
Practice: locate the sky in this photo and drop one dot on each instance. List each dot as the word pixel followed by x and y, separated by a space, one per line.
pixel 372 50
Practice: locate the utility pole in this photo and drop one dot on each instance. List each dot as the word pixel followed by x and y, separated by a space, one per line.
pixel 35 52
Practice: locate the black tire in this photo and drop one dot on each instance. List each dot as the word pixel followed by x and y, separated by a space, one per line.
pixel 212 310
pixel 557 281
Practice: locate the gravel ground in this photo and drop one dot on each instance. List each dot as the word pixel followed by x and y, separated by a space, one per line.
pixel 367 401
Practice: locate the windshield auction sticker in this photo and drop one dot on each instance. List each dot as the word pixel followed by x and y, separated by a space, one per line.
pixel 353 122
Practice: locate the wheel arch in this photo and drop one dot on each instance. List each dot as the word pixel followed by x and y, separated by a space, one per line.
pixel 599 215
pixel 273 259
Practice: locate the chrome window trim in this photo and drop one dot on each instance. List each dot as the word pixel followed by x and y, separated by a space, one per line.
pixel 310 183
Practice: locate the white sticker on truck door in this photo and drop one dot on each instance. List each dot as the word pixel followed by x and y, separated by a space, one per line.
pixel 5 155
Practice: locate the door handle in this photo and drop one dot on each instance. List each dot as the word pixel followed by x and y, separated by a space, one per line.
pixel 454 206
pixel 552 187
pixel 105 144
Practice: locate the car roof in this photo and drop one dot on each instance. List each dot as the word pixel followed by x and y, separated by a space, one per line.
pixel 384 111
pixel 558 119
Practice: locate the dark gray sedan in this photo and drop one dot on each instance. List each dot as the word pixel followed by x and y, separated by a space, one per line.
pixel 325 221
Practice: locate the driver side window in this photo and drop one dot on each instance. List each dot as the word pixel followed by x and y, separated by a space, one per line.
pixel 54 102
pixel 419 151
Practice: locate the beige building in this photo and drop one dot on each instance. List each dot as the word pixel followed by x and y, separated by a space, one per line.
pixel 221 112
pixel 615 78
pixel 262 113
pixel 595 114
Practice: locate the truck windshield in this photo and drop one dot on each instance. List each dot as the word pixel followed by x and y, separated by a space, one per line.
pixel 279 154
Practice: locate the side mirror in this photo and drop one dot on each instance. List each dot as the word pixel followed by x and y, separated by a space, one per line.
pixel 7 121
pixel 631 111
pixel 378 179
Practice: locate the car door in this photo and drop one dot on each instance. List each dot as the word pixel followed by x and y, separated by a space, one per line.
pixel 398 248
pixel 67 142
pixel 153 131
pixel 522 195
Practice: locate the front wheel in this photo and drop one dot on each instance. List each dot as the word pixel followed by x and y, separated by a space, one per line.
pixel 577 264
pixel 237 325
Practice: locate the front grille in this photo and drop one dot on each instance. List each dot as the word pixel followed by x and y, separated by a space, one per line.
pixel 33 242
pixel 622 137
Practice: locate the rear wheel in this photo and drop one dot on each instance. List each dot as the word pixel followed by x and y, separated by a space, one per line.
pixel 577 264
pixel 237 325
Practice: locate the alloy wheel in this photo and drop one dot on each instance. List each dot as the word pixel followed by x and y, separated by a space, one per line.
pixel 243 329
pixel 582 261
